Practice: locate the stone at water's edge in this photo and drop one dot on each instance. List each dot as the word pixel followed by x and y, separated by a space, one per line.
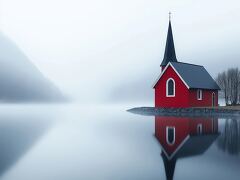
pixel 153 111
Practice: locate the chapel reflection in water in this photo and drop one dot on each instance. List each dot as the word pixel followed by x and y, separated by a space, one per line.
pixel 182 137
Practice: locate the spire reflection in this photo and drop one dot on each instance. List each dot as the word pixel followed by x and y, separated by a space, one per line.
pixel 181 137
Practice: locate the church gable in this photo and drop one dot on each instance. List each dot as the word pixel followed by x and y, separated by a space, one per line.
pixel 170 72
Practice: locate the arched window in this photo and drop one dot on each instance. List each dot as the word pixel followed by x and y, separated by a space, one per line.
pixel 170 88
pixel 170 135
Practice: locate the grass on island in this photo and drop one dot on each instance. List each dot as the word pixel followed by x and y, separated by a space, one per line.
pixel 235 107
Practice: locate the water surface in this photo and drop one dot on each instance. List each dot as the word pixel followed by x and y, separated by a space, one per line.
pixel 68 142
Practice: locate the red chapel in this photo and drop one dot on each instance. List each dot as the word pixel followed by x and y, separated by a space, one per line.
pixel 181 84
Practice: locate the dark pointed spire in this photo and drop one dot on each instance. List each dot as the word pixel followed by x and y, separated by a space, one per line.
pixel 169 54
pixel 169 166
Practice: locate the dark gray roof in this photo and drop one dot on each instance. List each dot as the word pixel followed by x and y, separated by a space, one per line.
pixel 195 76
pixel 196 145
pixel 169 55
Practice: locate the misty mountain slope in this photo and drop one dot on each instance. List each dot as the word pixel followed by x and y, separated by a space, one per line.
pixel 20 80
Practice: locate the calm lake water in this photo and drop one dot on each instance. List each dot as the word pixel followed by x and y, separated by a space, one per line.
pixel 72 142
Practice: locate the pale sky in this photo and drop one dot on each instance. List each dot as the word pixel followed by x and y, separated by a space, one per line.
pixel 87 48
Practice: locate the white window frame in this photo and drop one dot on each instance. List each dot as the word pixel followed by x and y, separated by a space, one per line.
pixel 174 135
pixel 201 94
pixel 213 102
pixel 167 95
pixel 200 127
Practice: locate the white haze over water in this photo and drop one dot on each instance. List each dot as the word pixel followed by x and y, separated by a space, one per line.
pixel 70 142
pixel 91 49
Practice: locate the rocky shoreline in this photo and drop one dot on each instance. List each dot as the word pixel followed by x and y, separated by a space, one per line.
pixel 152 111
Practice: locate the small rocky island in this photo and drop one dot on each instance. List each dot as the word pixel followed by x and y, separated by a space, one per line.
pixel 220 111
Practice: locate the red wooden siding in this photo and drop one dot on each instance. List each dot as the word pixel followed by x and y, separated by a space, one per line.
pixel 181 130
pixel 183 127
pixel 208 125
pixel 181 98
pixel 206 98
pixel 184 97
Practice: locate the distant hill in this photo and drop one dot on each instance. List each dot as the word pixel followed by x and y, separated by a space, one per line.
pixel 20 80
pixel 139 90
